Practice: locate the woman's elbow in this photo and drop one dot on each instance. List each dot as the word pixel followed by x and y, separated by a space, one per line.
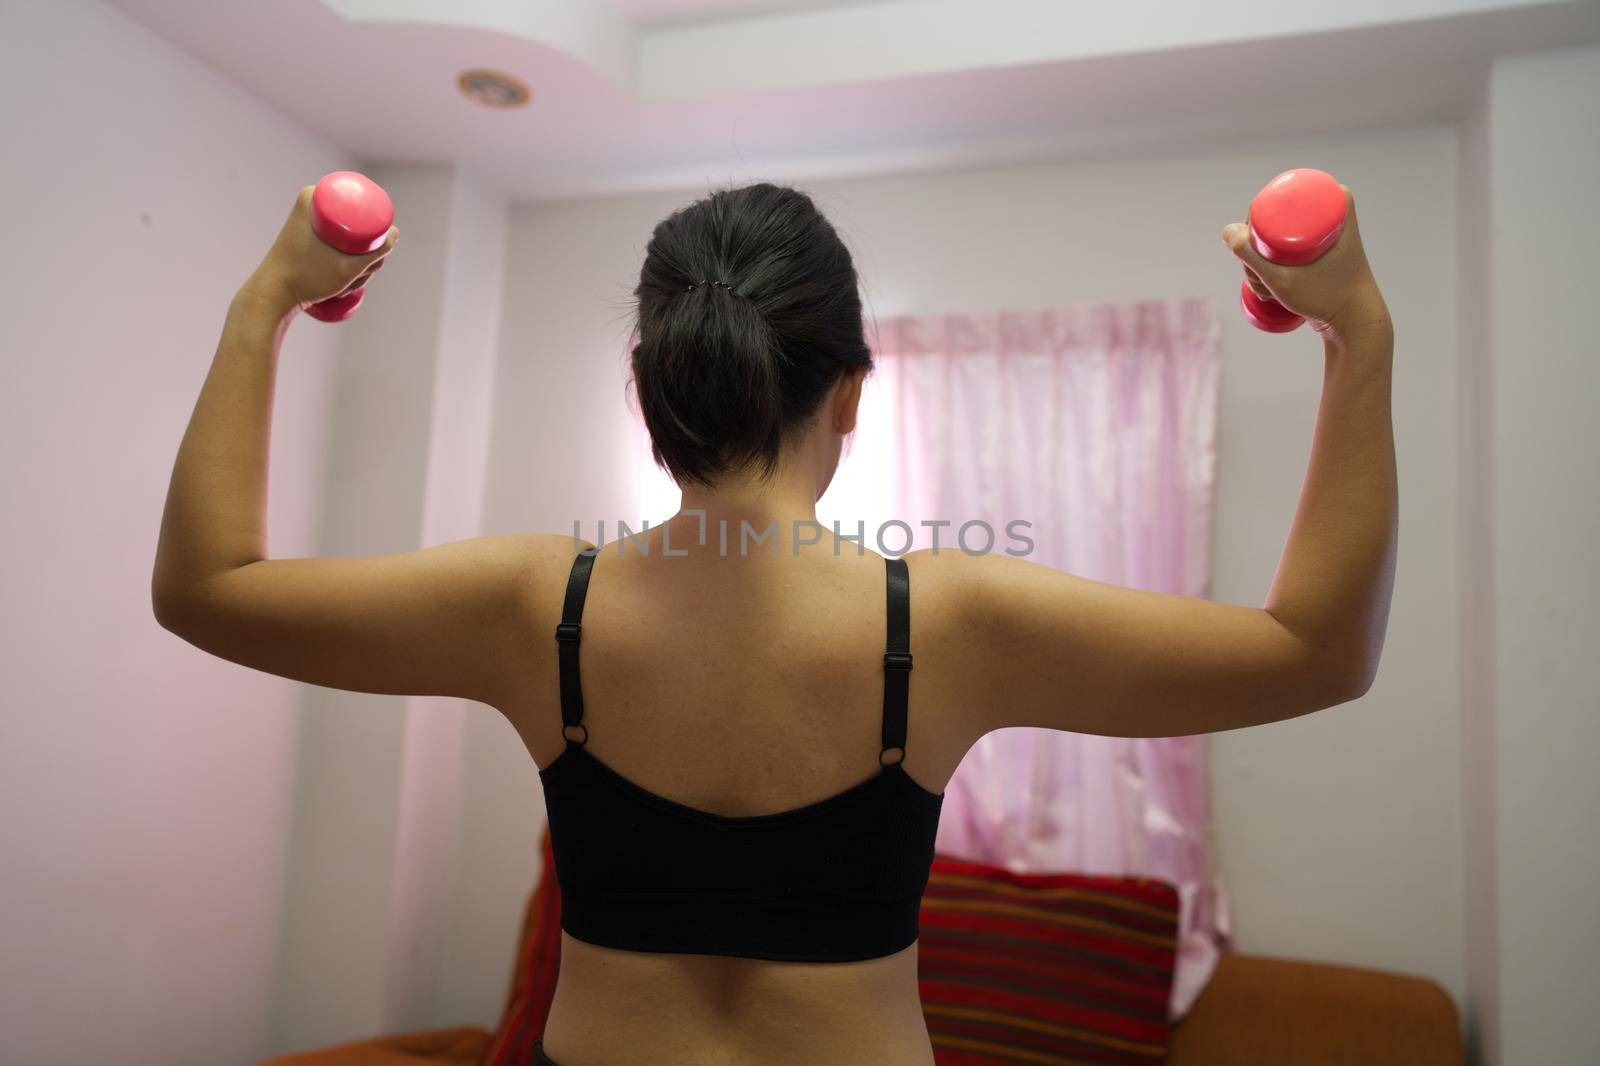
pixel 1350 679
pixel 173 610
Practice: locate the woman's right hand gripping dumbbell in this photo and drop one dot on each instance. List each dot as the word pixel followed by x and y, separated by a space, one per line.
pixel 1336 292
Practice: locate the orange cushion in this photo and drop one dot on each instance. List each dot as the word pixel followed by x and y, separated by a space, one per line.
pixel 533 981
pixel 1262 1012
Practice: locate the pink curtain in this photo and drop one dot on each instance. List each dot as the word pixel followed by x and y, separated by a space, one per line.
pixel 1097 425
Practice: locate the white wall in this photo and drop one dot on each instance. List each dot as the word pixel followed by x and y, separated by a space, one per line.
pixel 1341 832
pixel 144 785
pixel 373 858
pixel 1475 521
pixel 1544 382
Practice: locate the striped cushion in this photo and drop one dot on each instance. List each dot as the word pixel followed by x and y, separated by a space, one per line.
pixel 1045 968
pixel 533 981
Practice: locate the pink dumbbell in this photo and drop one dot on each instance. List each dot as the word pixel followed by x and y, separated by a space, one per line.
pixel 353 214
pixel 1294 219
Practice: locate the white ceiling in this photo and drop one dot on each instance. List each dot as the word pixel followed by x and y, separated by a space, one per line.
pixel 676 12
pixel 638 94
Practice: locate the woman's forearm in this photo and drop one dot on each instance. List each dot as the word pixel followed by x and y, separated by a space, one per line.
pixel 215 516
pixel 1334 581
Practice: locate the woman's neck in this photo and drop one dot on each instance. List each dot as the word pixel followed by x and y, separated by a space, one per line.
pixel 777 504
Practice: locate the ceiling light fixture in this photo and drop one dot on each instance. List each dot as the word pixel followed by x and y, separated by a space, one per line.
pixel 492 88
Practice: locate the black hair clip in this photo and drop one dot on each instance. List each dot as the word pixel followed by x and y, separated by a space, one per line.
pixel 707 281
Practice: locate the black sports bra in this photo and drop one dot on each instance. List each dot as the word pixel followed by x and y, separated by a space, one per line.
pixel 837 880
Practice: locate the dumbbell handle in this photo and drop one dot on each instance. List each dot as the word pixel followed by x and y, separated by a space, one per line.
pixel 352 213
pixel 1295 217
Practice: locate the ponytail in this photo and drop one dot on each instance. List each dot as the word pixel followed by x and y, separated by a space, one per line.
pixel 748 313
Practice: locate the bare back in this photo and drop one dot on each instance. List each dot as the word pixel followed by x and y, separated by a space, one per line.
pixel 742 685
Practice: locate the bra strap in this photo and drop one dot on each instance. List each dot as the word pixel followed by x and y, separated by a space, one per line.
pixel 896 661
pixel 568 635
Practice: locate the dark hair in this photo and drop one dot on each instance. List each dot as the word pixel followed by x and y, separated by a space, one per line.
pixel 748 313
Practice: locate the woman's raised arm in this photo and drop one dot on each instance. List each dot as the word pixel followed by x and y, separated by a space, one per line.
pixel 445 620
pixel 1055 650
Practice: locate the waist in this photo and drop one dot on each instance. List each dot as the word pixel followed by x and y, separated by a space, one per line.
pixel 620 1006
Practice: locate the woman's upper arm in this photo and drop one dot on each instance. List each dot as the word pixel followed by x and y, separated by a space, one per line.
pixel 1051 649
pixel 450 620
